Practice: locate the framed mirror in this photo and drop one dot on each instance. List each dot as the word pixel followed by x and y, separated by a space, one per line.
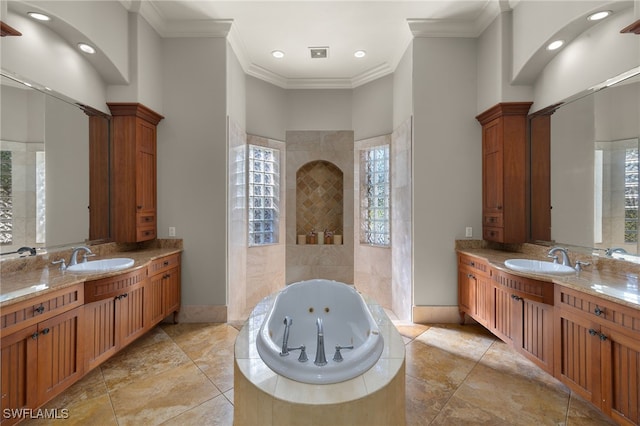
pixel 592 170
pixel 54 181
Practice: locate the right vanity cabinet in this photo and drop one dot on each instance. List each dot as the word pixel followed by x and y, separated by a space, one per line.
pixel 504 140
pixel 597 352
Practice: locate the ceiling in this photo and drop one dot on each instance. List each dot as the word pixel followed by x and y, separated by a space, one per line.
pixel 254 29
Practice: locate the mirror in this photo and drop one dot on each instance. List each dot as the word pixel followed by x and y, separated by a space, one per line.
pixel 46 175
pixel 594 170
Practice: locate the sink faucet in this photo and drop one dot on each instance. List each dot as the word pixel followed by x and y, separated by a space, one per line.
pixel 563 251
pixel 74 254
pixel 321 358
pixel 610 251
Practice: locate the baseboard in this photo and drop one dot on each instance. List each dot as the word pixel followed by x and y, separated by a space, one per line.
pixel 436 315
pixel 202 313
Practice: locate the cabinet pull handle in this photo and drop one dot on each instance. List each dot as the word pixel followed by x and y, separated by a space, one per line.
pixel 34 336
pixel 125 295
pixel 39 309
pixel 139 207
pixel 45 331
pixel 470 276
pixel 516 297
pixel 602 337
pixel 592 332
pixel 165 263
pixel 598 311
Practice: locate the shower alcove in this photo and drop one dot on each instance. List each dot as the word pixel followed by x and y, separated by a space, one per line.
pixel 319 197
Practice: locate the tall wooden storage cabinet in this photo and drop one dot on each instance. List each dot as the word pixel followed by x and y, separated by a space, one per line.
pixel 134 172
pixel 504 172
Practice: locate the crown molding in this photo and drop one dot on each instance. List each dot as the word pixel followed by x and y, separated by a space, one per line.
pixel 464 28
pixel 176 28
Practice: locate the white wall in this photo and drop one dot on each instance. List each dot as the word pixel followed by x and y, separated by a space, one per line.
pixel 192 163
pixel 447 159
pixel 373 108
pixel 266 109
pixel 403 88
pixel 236 90
pixel 314 109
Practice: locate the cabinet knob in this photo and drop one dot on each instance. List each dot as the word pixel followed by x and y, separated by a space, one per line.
pixel 592 332
pixel 165 263
pixel 45 331
pixel 139 207
pixel 602 337
pixel 598 311
pixel 39 309
pixel 34 336
pixel 516 297
pixel 470 276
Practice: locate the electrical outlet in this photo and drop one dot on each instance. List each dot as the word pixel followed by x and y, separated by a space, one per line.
pixel 172 231
pixel 468 232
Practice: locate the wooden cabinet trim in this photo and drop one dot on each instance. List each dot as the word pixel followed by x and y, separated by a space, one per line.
pixel 114 286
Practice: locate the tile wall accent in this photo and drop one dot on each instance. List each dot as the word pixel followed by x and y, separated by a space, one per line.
pixel 333 262
pixel 319 198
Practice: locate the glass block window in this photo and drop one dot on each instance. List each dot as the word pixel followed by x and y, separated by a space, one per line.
pixel 375 211
pixel 6 200
pixel 631 196
pixel 41 205
pixel 264 195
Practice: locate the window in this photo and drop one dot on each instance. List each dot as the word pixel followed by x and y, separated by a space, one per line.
pixel 264 195
pixel 631 196
pixel 6 203
pixel 375 223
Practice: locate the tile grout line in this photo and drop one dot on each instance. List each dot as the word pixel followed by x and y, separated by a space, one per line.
pixel 113 408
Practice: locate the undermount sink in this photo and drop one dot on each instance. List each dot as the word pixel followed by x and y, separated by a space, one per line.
pixel 539 267
pixel 103 265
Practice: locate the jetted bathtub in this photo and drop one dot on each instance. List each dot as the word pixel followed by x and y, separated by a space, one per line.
pixel 346 321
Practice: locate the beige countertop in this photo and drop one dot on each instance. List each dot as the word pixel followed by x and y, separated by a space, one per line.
pixel 24 279
pixel 613 284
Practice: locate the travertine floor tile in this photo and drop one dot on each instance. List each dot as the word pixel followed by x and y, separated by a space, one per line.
pixel 582 413
pixel 217 411
pixel 460 413
pixel 437 367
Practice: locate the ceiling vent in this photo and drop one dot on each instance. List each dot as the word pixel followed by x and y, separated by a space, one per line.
pixel 319 52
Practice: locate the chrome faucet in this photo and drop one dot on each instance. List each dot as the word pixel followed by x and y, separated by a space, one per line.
pixel 610 251
pixel 74 254
pixel 563 251
pixel 321 358
pixel 285 339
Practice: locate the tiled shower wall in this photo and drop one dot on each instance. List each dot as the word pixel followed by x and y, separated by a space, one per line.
pixel 333 262
pixel 319 198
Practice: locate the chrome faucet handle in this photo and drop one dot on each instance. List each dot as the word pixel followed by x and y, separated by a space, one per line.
pixel 303 354
pixel 555 258
pixel 63 265
pixel 580 264
pixel 337 357
pixel 84 256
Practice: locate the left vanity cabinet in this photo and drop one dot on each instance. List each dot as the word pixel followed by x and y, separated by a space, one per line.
pixel 42 342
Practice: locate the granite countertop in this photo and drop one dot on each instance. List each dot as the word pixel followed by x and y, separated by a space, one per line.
pixel 613 284
pixel 27 280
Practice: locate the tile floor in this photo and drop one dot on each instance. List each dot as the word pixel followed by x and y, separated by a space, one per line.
pixel 455 375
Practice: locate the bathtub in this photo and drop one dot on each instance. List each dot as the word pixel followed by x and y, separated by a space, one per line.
pixel 346 321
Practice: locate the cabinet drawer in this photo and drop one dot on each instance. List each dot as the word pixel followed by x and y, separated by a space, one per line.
pixel 32 311
pixel 493 220
pixel 537 291
pixel 473 263
pixel 146 219
pixel 164 264
pixel 599 310
pixel 113 286
pixel 145 233
pixel 492 234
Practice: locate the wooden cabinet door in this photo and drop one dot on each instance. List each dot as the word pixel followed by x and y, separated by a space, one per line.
pixel 620 375
pixel 172 291
pixel 504 323
pixel 60 353
pixel 130 315
pixel 492 167
pixel 156 298
pixel 18 371
pixel 537 333
pixel 577 354
pixel 100 332
pixel 466 293
pixel 145 180
pixel 484 301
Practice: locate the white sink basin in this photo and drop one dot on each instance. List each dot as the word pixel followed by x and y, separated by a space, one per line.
pixel 539 267
pixel 104 265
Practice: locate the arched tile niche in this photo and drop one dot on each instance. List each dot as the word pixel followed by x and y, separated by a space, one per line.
pixel 319 198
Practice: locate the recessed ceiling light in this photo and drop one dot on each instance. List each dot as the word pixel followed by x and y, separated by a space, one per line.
pixel 555 45
pixel 599 15
pixel 39 16
pixel 278 54
pixel 360 54
pixel 86 48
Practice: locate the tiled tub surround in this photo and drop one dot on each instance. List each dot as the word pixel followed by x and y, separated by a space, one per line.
pixel 263 397
pixel 609 279
pixel 23 278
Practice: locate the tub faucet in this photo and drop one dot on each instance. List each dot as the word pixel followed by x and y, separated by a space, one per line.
pixel 285 339
pixel 563 252
pixel 74 254
pixel 321 358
